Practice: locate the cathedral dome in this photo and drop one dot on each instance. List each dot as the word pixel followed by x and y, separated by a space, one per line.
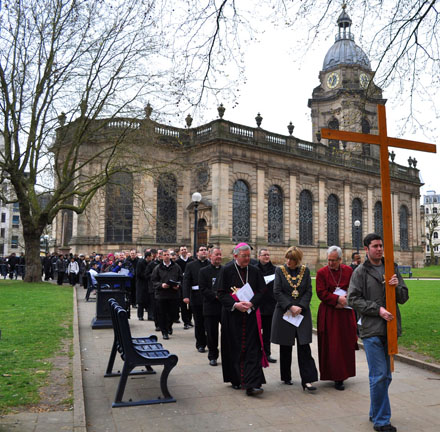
pixel 344 51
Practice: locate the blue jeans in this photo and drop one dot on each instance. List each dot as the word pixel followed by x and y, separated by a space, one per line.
pixel 376 349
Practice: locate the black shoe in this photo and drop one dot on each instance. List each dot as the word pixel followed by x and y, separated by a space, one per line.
pixel 186 327
pixel 191 324
pixel 170 331
pixel 288 382
pixel 271 360
pixel 140 319
pixel 213 362
pixel 157 329
pixel 236 386
pixel 201 349
pixel 177 321
pixel 339 385
pixel 308 387
pixel 254 391
pixel 386 428
pixel 165 335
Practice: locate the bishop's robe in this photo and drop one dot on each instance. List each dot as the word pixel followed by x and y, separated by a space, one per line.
pixel 337 337
pixel 241 349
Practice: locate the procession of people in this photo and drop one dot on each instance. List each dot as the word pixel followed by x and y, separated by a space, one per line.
pixel 241 307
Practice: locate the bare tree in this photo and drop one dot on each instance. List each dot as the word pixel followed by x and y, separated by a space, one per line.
pixel 432 223
pixel 68 70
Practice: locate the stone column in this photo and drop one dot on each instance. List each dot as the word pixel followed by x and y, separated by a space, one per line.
pixel 415 241
pixel 183 201
pixel 370 212
pixel 396 222
pixel 293 237
pixel 147 215
pixel 322 225
pixel 261 231
pixel 347 241
pixel 220 203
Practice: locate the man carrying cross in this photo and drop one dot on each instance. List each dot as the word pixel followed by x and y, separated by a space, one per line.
pixel 366 294
pixel 374 246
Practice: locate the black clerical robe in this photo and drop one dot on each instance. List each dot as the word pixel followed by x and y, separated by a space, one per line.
pixel 241 349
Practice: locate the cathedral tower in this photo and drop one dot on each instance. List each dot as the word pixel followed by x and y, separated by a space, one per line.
pixel 346 98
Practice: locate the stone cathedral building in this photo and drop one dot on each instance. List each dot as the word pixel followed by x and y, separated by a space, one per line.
pixel 268 189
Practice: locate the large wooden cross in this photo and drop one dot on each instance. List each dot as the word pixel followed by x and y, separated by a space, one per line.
pixel 384 142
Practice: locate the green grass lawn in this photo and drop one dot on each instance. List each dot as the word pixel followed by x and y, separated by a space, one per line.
pixel 427 272
pixel 420 318
pixel 34 318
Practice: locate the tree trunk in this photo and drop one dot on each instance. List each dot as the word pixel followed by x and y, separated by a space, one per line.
pixel 32 255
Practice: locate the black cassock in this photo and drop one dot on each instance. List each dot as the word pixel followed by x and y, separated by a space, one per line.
pixel 241 349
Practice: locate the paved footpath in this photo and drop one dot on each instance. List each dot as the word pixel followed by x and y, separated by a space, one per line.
pixel 204 402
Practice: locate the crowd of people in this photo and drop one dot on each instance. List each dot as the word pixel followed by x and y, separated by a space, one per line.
pixel 256 304
pixel 13 266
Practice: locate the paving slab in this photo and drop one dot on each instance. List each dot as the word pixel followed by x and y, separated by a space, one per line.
pixel 204 402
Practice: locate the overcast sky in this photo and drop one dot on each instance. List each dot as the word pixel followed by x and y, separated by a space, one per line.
pixel 281 79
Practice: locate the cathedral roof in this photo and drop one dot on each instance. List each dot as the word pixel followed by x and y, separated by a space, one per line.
pixel 344 51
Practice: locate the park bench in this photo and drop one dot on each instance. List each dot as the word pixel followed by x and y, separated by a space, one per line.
pixel 139 355
pixel 145 343
pixel 403 269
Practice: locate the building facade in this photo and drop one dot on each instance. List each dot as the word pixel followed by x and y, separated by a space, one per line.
pixel 268 189
pixel 431 205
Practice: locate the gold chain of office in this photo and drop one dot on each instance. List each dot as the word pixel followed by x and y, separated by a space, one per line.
pixel 292 279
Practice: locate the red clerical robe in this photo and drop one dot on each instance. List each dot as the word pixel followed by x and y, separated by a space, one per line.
pixel 337 337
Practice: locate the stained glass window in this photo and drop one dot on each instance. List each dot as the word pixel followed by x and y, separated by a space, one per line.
pixel 119 208
pixel 378 223
pixel 366 130
pixel 332 220
pixel 275 215
pixel 166 215
pixel 403 216
pixel 356 214
pixel 305 218
pixel 241 212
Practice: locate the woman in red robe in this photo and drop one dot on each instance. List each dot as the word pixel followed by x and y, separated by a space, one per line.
pixel 337 338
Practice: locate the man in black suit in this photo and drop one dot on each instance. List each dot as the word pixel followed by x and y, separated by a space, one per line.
pixel 268 303
pixel 212 308
pixel 192 296
pixel 185 309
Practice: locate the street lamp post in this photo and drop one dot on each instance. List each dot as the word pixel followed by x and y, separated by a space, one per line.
pixel 196 198
pixel 357 224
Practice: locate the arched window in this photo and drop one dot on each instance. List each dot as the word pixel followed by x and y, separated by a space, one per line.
pixel 275 224
pixel 365 125
pixel 305 218
pixel 403 217
pixel 426 210
pixel 436 235
pixel 202 233
pixel 241 212
pixel 166 215
pixel 378 223
pixel 333 124
pixel 119 208
pixel 332 220
pixel 356 214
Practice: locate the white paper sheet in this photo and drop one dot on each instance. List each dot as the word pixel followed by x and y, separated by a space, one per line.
pixel 341 292
pixel 296 321
pixel 124 272
pixel 195 287
pixel 244 294
pixel 269 278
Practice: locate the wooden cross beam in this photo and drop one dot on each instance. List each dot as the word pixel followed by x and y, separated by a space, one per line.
pixel 384 141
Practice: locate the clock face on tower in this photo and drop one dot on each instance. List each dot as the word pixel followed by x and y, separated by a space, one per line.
pixel 364 80
pixel 332 80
